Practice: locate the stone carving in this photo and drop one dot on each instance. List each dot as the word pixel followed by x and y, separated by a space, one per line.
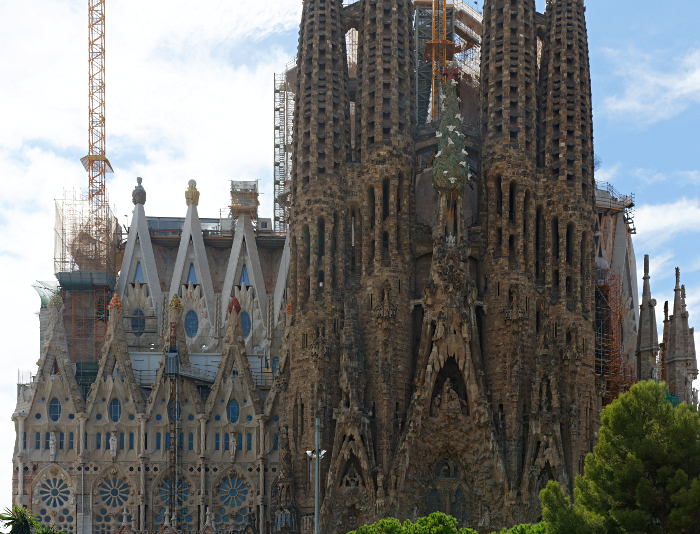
pixel 52 446
pixel 192 195
pixel 113 447
pixel 138 196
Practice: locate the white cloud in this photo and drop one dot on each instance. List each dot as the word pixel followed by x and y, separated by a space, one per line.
pixel 607 174
pixel 189 95
pixel 652 94
pixel 658 223
pixel 649 176
pixel 689 177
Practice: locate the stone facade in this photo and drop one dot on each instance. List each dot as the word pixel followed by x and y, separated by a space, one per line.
pixel 451 365
pixel 433 305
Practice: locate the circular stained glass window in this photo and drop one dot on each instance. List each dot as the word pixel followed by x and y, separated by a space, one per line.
pixel 191 323
pixel 245 324
pixel 233 492
pixel 54 492
pixel 114 492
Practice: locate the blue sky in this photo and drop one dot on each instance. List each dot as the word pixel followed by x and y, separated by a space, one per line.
pixel 189 95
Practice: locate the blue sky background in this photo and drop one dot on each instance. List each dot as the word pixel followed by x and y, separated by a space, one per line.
pixel 190 95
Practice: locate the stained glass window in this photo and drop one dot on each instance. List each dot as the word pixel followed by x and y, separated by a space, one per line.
pixel 158 441
pixel 226 442
pixel 216 442
pixel 131 441
pixel 55 409
pixel 277 442
pixel 98 441
pixel 37 445
pixel 191 323
pixel 250 442
pixel 234 411
pixel 70 441
pixel 61 439
pixel 115 410
pixel 163 501
pixel 245 324
pixel 190 441
pixel 54 495
pixel 433 504
pixel 240 442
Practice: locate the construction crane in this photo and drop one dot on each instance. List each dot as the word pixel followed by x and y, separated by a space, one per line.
pixel 96 162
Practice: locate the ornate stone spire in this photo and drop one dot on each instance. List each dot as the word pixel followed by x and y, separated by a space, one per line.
pixel 192 195
pixel 647 338
pixel 138 196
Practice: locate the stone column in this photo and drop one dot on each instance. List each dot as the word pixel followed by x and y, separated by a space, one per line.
pixel 202 433
pixel 81 434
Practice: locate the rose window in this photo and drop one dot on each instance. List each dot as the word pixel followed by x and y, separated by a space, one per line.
pixel 54 492
pixel 185 519
pixel 232 514
pixel 114 492
pixel 54 502
pixel 233 492
pixel 113 497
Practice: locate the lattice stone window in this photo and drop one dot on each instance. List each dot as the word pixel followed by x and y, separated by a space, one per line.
pixel 231 507
pixel 112 497
pixel 54 501
pixel 185 505
pixel 54 409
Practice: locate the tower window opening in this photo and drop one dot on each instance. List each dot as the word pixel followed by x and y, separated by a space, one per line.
pixel 570 244
pixel 385 199
pixel 499 196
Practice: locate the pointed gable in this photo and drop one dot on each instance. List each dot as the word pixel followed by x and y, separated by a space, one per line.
pixel 139 264
pixel 249 270
pixel 191 265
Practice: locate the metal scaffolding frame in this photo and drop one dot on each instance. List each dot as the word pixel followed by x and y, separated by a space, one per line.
pixel 609 357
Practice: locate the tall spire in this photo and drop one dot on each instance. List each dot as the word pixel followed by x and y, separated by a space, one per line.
pixel 647 338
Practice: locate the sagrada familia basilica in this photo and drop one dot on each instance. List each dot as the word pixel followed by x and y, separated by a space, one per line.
pixel 437 300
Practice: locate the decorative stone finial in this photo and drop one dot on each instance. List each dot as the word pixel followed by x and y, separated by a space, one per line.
pixel 192 195
pixel 167 516
pixel 138 196
pixel 666 311
pixel 678 277
pixel 175 304
pixel 208 522
pixel 646 265
pixel 234 304
pixel 115 303
pixel 683 291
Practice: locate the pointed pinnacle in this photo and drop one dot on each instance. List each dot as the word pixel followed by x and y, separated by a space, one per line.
pixel 678 277
pixel 646 265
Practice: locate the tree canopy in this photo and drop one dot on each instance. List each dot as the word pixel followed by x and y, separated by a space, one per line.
pixel 436 523
pixel 643 475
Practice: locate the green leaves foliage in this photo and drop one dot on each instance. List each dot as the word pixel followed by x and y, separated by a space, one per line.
pixel 643 476
pixel 18 521
pixel 436 523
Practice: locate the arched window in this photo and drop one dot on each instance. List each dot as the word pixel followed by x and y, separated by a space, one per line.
pixel 245 324
pixel 115 410
pixel 234 411
pixel 138 325
pixel 191 323
pixel 249 439
pixel 54 409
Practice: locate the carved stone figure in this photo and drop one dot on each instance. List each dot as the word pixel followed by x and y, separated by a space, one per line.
pixel 113 446
pixel 52 446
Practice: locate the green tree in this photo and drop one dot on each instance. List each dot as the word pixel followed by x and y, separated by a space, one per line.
pixel 18 520
pixel 436 523
pixel 644 474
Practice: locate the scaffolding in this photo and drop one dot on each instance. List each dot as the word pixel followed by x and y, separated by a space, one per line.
pixel 446 31
pixel 85 267
pixel 609 362
pixel 284 118
pixel 610 200
pixel 244 200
